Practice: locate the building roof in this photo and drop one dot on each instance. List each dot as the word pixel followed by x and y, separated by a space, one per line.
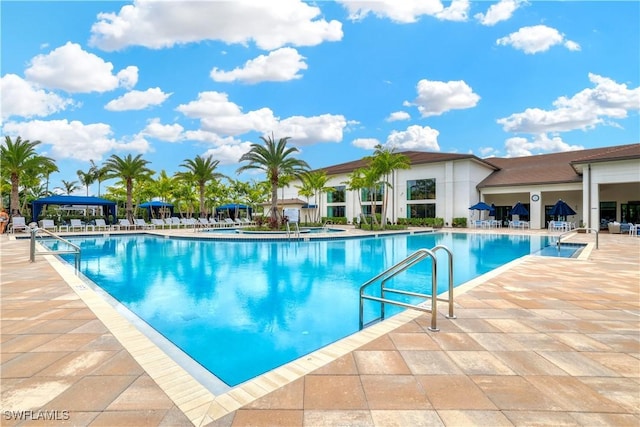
pixel 552 168
pixel 415 157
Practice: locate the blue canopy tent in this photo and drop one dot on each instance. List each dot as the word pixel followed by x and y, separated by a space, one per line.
pixel 155 206
pixel 232 208
pixel 109 207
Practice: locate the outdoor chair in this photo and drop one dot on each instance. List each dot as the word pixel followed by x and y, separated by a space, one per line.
pixel 158 223
pixel 18 224
pixel 48 224
pixel 124 223
pixel 76 224
pixel 175 222
pixel 141 223
pixel 101 224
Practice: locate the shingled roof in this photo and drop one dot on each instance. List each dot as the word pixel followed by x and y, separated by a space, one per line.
pixel 552 168
pixel 415 157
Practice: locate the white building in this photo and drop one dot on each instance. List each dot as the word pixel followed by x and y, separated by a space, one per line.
pixel 599 184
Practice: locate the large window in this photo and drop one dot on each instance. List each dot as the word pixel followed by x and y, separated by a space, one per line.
pixel 421 189
pixel 366 209
pixel 607 211
pixel 336 211
pixel 337 195
pixel 366 196
pixel 427 210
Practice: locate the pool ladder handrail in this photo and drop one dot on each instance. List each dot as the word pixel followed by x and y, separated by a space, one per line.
pixel 324 226
pixel 32 250
pixel 297 231
pixel 398 268
pixel 559 242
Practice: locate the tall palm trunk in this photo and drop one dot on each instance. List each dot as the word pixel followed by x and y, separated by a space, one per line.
pixel 129 208
pixel 15 194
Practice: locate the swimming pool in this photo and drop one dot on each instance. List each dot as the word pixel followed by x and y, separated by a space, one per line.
pixel 303 230
pixel 242 308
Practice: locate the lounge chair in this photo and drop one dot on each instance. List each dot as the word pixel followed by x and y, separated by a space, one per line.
pixel 141 223
pixel 247 221
pixel 175 222
pixel 159 223
pixel 189 222
pixel 231 222
pixel 204 222
pixel 101 224
pixel 18 224
pixel 48 224
pixel 76 225
pixel 217 224
pixel 124 223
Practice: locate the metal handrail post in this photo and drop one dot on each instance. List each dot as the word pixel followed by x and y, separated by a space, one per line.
pixel 32 246
pixel 450 256
pixel 434 293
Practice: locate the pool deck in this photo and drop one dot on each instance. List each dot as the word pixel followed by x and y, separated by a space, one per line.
pixel 542 341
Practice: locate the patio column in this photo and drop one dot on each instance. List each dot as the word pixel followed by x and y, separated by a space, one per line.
pixel 536 214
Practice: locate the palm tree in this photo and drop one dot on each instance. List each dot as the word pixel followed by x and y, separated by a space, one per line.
pixel 317 183
pixel 68 187
pixel 274 158
pixel 128 170
pixel 86 178
pixel 99 174
pixel 355 182
pixel 17 157
pixel 385 160
pixel 201 170
pixel 371 181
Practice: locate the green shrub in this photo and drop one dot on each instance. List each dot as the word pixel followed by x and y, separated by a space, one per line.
pixel 459 222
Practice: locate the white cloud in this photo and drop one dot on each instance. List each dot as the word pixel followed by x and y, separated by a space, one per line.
pixel 74 139
pixel 406 11
pixel 138 100
pixel 229 154
pixel 279 66
pixel 169 133
pixel 312 130
pixel 538 38
pixel 161 24
pixel 74 70
pixel 435 98
pixel 397 116
pixel 585 110
pixel 219 115
pixel 497 12
pixel 23 99
pixel 414 138
pixel 366 143
pixel 518 147
pixel 458 11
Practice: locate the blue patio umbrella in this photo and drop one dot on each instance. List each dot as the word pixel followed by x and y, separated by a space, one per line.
pixel 480 206
pixel 519 209
pixel 561 208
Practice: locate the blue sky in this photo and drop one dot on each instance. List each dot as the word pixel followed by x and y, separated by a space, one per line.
pixel 172 80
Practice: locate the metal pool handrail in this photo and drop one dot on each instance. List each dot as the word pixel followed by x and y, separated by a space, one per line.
pixel 32 253
pixel 559 242
pixel 398 268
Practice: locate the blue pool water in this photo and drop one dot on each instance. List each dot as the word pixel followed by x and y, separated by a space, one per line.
pixel 241 308
pixel 305 230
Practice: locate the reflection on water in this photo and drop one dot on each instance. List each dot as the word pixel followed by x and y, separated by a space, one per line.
pixel 241 308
